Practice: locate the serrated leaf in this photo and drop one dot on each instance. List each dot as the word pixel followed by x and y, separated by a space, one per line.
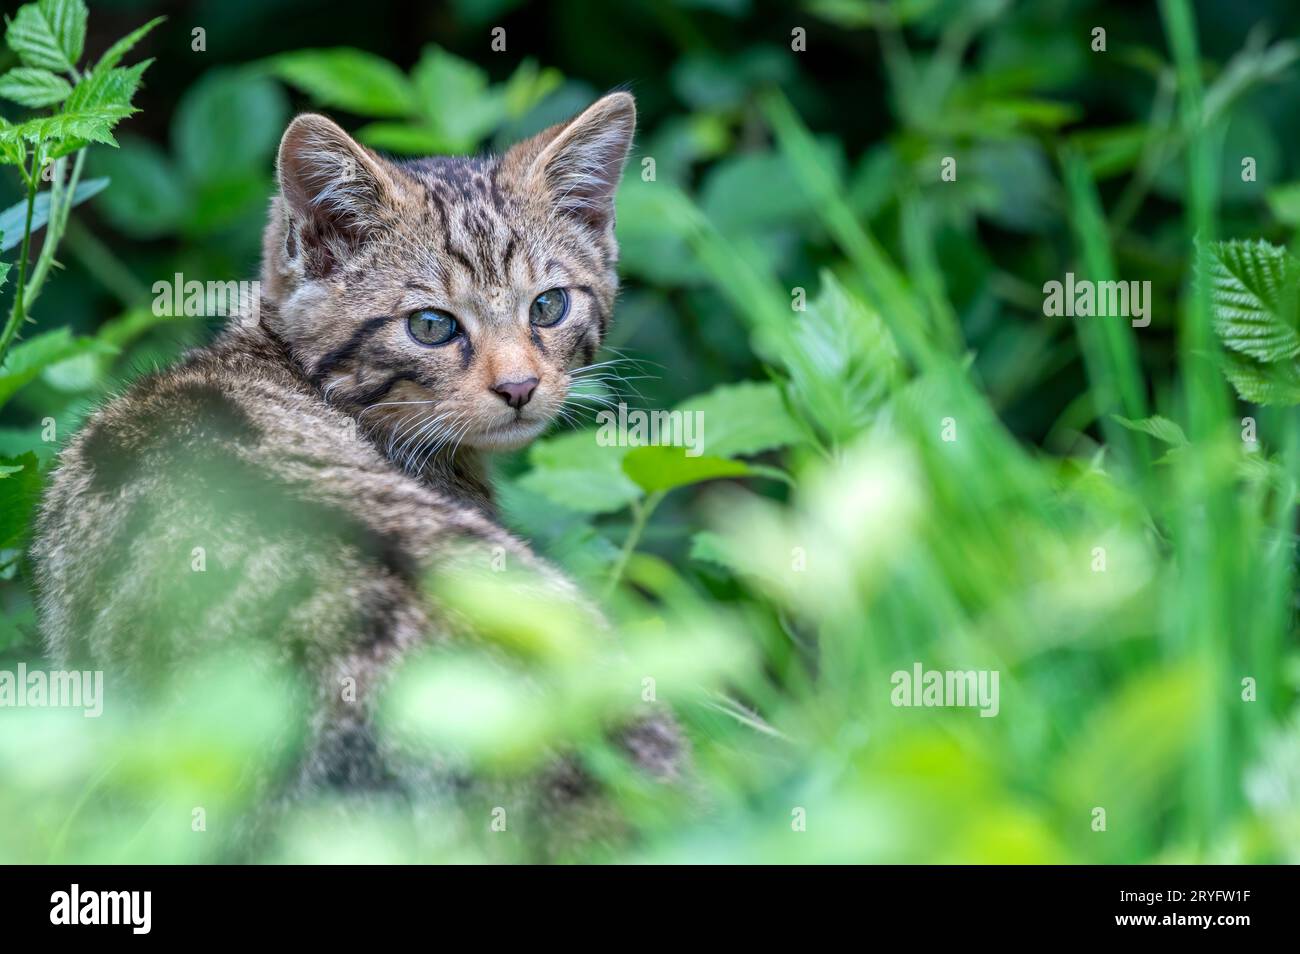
pixel 113 55
pixel 34 87
pixel 1161 428
pixel 745 418
pixel 49 34
pixel 1253 294
pixel 12 218
pixel 346 78
pixel 91 125
pixel 1277 383
pixel 107 87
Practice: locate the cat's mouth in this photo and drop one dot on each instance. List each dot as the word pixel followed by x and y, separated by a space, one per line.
pixel 510 433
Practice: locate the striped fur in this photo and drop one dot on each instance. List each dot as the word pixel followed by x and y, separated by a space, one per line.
pixel 326 462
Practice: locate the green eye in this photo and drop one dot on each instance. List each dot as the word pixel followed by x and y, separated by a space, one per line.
pixel 549 308
pixel 432 327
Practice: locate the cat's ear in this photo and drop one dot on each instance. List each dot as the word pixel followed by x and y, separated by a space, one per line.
pixel 337 192
pixel 579 163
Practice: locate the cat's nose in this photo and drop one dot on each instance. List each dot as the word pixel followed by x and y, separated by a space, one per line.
pixel 516 393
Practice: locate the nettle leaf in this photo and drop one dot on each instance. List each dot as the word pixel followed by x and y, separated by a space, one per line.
pixel 1253 289
pixel 345 78
pixel 93 124
pixel 113 55
pixel 12 218
pixel 1161 428
pixel 1272 384
pixel 745 418
pixel 842 361
pixel 658 467
pixel 49 34
pixel 107 87
pixel 33 87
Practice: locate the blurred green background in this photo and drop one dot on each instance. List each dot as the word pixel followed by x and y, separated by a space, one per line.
pixel 836 531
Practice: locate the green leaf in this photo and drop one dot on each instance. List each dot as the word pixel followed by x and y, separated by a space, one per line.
pixel 20 489
pixel 411 139
pixel 25 361
pixel 113 55
pixel 576 471
pixel 454 97
pixel 107 87
pixel 1161 428
pixel 745 418
pixel 91 125
pixel 13 218
pixel 664 468
pixel 345 78
pixel 147 198
pixel 4 268
pixel 228 124
pixel 1271 384
pixel 1253 295
pixel 36 88
pixel 49 34
pixel 841 359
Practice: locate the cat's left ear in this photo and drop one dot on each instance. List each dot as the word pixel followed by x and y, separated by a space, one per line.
pixel 579 163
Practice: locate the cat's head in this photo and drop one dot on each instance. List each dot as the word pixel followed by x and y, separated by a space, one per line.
pixel 447 299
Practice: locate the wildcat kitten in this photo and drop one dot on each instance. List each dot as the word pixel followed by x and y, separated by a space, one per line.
pixel 324 453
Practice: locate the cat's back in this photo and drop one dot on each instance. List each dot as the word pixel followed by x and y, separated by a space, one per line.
pixel 219 498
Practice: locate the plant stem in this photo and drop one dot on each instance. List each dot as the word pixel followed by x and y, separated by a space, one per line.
pixel 61 199
pixel 17 312
pixel 641 511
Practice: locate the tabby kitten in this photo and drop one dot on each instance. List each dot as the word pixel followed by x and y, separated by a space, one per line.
pixel 323 454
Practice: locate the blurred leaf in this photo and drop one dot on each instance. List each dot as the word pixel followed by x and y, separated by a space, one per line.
pixel 346 78
pixel 742 419
pixel 228 126
pixel 147 198
pixel 453 95
pixel 1161 428
pixel 409 139
pixel 12 218
pixel 29 358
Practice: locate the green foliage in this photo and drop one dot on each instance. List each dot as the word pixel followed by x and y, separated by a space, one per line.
pixel 901 461
pixel 446 105
pixel 1253 289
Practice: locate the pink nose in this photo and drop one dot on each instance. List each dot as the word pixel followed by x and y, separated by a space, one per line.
pixel 516 393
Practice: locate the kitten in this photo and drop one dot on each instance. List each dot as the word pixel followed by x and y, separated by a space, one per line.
pixel 322 456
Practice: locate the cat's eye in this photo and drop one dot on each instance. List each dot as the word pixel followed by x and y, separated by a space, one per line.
pixel 549 308
pixel 429 326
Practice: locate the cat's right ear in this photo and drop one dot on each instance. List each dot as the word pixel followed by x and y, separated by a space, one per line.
pixel 337 192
